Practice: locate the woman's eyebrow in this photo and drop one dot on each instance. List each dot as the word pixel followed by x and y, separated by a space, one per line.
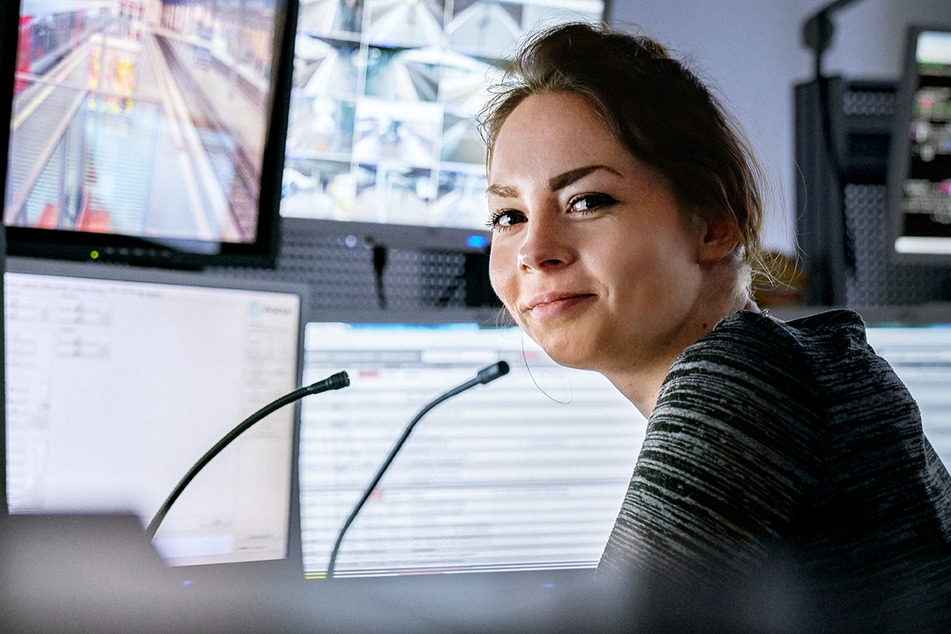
pixel 503 191
pixel 554 183
pixel 563 180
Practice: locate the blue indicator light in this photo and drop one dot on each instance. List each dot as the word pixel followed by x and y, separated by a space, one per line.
pixel 477 242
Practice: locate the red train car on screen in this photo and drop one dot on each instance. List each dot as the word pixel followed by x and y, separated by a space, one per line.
pixel 48 32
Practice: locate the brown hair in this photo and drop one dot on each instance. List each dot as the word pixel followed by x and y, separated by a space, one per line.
pixel 654 106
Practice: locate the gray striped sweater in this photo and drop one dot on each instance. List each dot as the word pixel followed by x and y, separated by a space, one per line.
pixel 794 443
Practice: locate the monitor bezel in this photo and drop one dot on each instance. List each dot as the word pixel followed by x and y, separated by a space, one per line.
pixel 9 12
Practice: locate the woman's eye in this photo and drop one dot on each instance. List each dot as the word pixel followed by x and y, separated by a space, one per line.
pixel 585 203
pixel 505 219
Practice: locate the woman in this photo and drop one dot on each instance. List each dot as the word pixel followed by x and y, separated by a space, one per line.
pixel 626 213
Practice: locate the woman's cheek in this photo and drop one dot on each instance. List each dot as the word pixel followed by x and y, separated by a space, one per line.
pixel 498 273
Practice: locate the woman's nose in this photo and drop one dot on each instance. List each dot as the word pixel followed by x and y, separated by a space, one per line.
pixel 545 244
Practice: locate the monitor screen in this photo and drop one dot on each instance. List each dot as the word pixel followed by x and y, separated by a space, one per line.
pixel 920 353
pixel 382 118
pixel 919 178
pixel 118 382
pixel 526 473
pixel 150 132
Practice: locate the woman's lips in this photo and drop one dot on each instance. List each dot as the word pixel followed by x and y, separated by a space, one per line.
pixel 556 304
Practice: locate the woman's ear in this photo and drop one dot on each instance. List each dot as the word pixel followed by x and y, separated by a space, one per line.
pixel 719 239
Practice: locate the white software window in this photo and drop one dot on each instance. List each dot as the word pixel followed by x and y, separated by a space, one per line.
pixel 525 473
pixel 116 387
pixel 921 356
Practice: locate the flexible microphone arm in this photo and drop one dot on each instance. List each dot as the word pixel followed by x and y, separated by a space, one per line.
pixel 485 375
pixel 334 382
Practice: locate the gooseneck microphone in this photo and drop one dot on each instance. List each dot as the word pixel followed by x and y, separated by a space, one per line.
pixel 485 375
pixel 334 382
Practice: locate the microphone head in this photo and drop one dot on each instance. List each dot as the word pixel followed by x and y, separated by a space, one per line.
pixel 334 382
pixel 339 380
pixel 494 371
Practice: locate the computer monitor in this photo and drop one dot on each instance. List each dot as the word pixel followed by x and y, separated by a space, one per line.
pixel 919 169
pixel 382 128
pixel 150 132
pixel 526 473
pixel 916 341
pixel 119 379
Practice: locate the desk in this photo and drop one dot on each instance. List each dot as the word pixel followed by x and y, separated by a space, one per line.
pixel 98 573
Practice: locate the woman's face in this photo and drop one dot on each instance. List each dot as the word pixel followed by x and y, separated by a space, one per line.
pixel 591 253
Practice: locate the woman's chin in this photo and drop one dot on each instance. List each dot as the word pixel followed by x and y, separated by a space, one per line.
pixel 569 357
pixel 563 347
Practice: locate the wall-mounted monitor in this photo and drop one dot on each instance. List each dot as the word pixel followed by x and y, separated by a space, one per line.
pixel 919 171
pixel 382 120
pixel 149 131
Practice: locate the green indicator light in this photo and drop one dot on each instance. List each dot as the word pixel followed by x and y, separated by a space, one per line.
pixel 94 255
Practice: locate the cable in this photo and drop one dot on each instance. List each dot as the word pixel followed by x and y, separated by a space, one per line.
pixel 817 32
pixel 380 259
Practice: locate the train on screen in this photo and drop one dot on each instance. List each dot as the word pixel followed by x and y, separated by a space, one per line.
pixel 50 30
